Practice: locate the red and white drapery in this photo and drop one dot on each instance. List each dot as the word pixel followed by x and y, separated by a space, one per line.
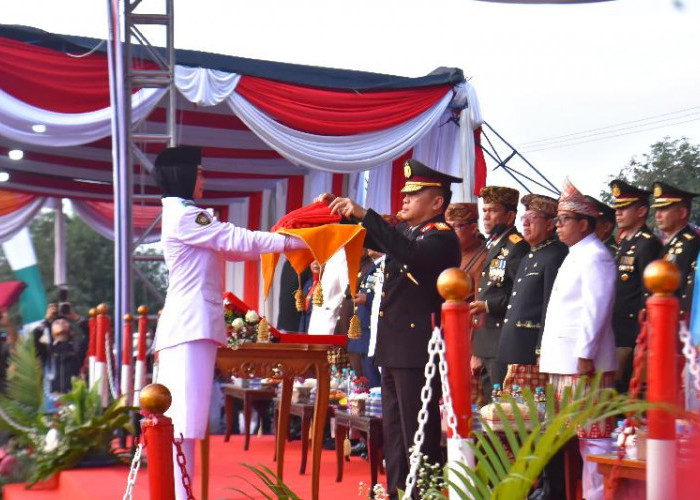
pixel 268 146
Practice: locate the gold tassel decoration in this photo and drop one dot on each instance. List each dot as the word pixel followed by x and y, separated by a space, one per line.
pixel 299 299
pixel 318 294
pixel 263 330
pixel 354 330
pixel 346 448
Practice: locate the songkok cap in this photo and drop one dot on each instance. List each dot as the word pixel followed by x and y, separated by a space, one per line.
pixel 625 194
pixel 500 194
pixel 462 212
pixel 176 170
pixel 604 211
pixel 572 200
pixel 420 176
pixel 179 155
pixel 540 203
pixel 666 195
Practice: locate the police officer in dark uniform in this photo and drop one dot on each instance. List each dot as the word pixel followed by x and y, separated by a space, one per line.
pixel 605 224
pixel 506 248
pixel 526 311
pixel 637 248
pixel 417 251
pixel 681 242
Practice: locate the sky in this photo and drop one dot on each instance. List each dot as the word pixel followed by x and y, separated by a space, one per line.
pixel 578 89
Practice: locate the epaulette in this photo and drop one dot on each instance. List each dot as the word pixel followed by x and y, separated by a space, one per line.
pixel 442 226
pixel 688 236
pixel 187 203
pixel 515 239
pixel 427 227
pixel 646 235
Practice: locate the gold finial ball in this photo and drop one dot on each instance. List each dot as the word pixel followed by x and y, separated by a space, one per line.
pixel 454 284
pixel 92 312
pixel 102 309
pixel 155 398
pixel 142 310
pixel 128 318
pixel 662 277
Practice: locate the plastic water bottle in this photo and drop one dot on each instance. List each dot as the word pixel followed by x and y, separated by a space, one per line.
pixel 541 403
pixel 517 394
pixel 616 432
pixel 476 418
pixel 496 393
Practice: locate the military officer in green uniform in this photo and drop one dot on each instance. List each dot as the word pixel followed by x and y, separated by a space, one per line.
pixel 637 248
pixel 605 224
pixel 506 247
pixel 681 242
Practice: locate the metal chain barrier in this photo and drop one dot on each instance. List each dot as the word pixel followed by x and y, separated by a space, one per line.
pixel 691 354
pixel 133 471
pixel 182 463
pixel 426 395
pixel 446 394
pixel 110 369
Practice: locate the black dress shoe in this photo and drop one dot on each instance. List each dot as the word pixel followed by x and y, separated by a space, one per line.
pixel 358 449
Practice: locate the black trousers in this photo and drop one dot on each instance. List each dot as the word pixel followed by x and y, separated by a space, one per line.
pixel 401 388
pixel 493 373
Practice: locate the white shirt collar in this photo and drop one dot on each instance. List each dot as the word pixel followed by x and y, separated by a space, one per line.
pixel 583 244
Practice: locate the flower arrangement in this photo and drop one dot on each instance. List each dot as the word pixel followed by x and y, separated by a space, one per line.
pixel 243 325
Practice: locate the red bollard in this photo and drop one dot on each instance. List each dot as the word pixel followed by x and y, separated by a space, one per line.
pixel 126 376
pixel 140 367
pixel 662 278
pixel 454 286
pixel 157 432
pixel 102 326
pixel 92 333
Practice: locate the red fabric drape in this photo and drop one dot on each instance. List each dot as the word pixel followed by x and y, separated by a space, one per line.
pixel 335 112
pixel 337 185
pixel 143 216
pixel 295 192
pixel 52 80
pixel 398 180
pixel 10 201
pixel 251 285
pixel 479 164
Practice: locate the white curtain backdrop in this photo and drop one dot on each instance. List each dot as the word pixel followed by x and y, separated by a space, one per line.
pixel 14 222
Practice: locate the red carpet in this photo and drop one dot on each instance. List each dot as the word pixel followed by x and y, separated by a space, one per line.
pixel 226 473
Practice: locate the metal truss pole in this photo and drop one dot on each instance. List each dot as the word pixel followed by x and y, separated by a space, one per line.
pixel 132 76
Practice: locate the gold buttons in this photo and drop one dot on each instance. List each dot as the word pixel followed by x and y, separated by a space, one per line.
pixel 505 320
pixel 509 306
pixel 381 313
pixel 413 325
pixel 624 277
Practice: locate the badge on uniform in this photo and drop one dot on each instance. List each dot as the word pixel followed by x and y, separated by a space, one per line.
pixel 203 219
pixel 626 264
pixel 497 270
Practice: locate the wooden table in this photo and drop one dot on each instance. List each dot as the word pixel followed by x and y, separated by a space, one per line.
pixel 305 411
pixel 252 398
pixel 285 361
pixel 372 428
pixel 624 478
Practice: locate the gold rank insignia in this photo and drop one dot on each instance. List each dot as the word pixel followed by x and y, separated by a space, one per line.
pixel 203 219
pixel 615 190
pixel 657 191
pixel 407 170
pixel 688 236
pixel 515 238
pixel 441 226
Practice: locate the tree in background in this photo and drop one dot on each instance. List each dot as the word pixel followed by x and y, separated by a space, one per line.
pixel 676 162
pixel 90 265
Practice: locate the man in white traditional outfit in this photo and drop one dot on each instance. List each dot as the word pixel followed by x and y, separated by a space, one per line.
pixel 333 282
pixel 578 338
pixel 191 326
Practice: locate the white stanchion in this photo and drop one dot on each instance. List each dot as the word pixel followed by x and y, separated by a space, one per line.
pixel 139 377
pixel 127 383
pixel 101 379
pixel 459 451
pixel 91 371
pixel 661 469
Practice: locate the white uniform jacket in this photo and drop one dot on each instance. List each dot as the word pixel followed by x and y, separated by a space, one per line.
pixel 579 314
pixel 195 247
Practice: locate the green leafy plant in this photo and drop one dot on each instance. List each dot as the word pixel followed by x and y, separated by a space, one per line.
pixel 497 475
pixel 55 442
pixel 270 482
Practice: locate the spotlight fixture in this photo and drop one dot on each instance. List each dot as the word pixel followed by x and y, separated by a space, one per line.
pixel 16 154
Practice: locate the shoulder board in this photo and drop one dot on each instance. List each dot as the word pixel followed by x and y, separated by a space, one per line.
pixel 187 203
pixel 515 239
pixel 442 226
pixel 203 219
pixel 688 236
pixel 646 235
pixel 427 227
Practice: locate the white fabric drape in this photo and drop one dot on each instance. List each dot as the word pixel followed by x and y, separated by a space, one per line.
pixel 351 153
pixel 206 87
pixel 379 189
pixel 235 271
pixel 66 129
pixel 14 222
pixel 105 227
